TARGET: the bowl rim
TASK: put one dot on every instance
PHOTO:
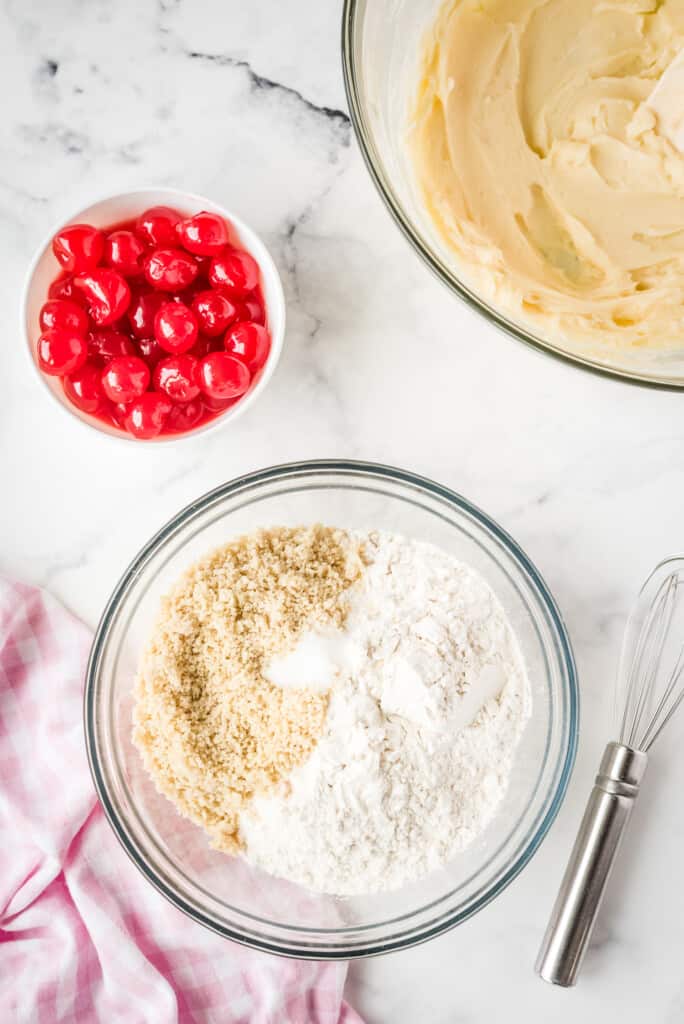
(378, 473)
(373, 163)
(276, 312)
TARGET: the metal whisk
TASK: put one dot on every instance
(650, 688)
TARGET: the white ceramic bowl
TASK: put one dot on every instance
(114, 209)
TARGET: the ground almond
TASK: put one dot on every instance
(212, 730)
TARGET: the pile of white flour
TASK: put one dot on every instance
(429, 699)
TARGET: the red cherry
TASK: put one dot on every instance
(222, 376)
(216, 405)
(175, 327)
(250, 309)
(63, 313)
(107, 293)
(176, 377)
(185, 416)
(64, 288)
(123, 251)
(158, 226)
(109, 344)
(204, 345)
(147, 415)
(188, 294)
(78, 247)
(142, 311)
(125, 378)
(204, 234)
(151, 351)
(61, 351)
(234, 270)
(203, 264)
(248, 342)
(118, 413)
(214, 312)
(170, 269)
(84, 388)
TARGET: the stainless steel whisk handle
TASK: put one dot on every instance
(591, 861)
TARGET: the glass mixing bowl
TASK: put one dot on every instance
(381, 42)
(225, 893)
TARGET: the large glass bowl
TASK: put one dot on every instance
(381, 42)
(226, 894)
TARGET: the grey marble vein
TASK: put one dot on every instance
(259, 82)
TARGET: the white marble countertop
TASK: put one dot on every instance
(244, 102)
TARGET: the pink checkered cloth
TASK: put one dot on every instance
(83, 937)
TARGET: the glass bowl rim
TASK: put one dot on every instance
(379, 473)
(431, 260)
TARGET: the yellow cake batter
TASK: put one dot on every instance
(544, 169)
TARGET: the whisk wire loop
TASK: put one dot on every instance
(650, 687)
(671, 699)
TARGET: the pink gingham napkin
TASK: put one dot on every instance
(83, 937)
